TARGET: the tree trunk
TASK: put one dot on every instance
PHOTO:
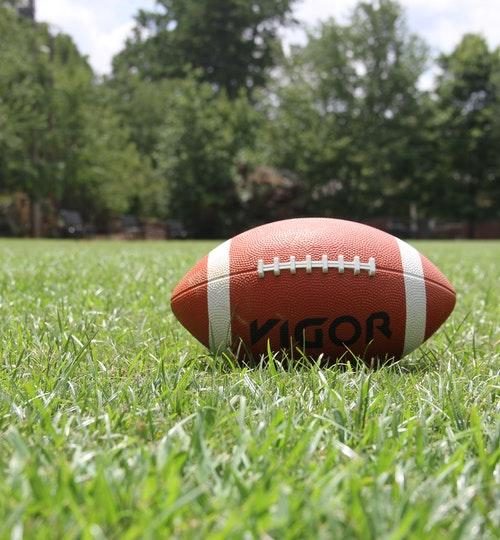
(36, 219)
(473, 211)
(414, 220)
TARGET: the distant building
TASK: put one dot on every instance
(26, 8)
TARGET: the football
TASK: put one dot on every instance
(321, 287)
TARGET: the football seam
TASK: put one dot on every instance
(252, 271)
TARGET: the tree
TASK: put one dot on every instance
(112, 177)
(202, 137)
(389, 121)
(32, 153)
(468, 102)
(142, 106)
(233, 43)
(59, 137)
(350, 116)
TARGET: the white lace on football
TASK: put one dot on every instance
(340, 264)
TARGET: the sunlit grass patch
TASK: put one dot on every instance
(116, 423)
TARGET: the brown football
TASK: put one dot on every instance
(324, 286)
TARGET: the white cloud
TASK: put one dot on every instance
(100, 27)
(440, 22)
(443, 22)
(310, 11)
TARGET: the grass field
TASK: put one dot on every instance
(114, 422)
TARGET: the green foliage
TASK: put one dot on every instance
(58, 136)
(468, 99)
(143, 106)
(115, 423)
(112, 177)
(206, 121)
(29, 97)
(201, 138)
(233, 43)
(350, 119)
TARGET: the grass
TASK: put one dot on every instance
(115, 423)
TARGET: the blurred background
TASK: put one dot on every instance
(201, 118)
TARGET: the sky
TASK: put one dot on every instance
(100, 27)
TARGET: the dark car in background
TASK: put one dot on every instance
(70, 224)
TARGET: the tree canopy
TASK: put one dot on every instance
(232, 43)
(468, 103)
(207, 121)
(58, 136)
